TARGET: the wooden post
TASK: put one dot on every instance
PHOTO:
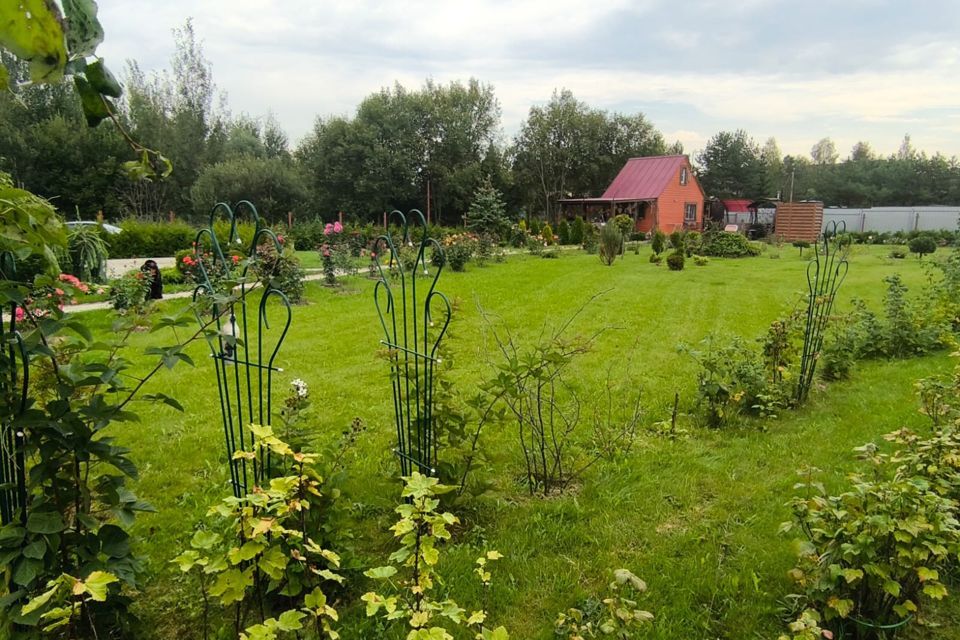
(172, 216)
(340, 216)
(384, 219)
(428, 202)
(289, 219)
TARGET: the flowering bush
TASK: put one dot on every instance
(50, 297)
(188, 265)
(459, 248)
(130, 291)
(335, 253)
(281, 269)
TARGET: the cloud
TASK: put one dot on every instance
(853, 70)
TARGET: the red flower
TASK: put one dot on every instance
(236, 259)
(280, 239)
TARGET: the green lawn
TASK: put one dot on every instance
(696, 517)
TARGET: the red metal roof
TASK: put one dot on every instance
(644, 178)
(737, 205)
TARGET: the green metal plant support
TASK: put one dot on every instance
(243, 346)
(412, 335)
(825, 273)
(16, 379)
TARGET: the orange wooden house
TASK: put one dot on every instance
(658, 192)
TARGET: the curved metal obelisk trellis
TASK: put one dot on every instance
(242, 349)
(15, 380)
(825, 273)
(412, 334)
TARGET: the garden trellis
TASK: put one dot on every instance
(15, 381)
(825, 273)
(243, 344)
(412, 335)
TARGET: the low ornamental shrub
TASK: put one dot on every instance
(801, 244)
(611, 243)
(922, 245)
(577, 230)
(563, 232)
(591, 239)
(659, 242)
(675, 261)
(723, 244)
(548, 238)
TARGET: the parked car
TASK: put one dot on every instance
(109, 228)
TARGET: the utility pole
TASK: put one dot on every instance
(793, 173)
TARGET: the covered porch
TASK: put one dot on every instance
(598, 210)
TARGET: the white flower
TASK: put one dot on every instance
(300, 387)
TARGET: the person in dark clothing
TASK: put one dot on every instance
(152, 271)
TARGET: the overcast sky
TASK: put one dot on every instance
(856, 70)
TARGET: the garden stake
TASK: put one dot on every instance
(825, 272)
(412, 337)
(13, 482)
(244, 372)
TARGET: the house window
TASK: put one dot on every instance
(683, 175)
(690, 212)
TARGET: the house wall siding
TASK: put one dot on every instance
(671, 202)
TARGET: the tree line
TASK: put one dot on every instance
(429, 148)
(733, 165)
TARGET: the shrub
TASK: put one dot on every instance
(129, 291)
(547, 232)
(281, 269)
(659, 242)
(151, 239)
(676, 261)
(459, 249)
(693, 243)
(577, 230)
(611, 241)
(676, 240)
(591, 241)
(563, 232)
(535, 227)
(869, 555)
(898, 254)
(731, 380)
(801, 244)
(273, 563)
(922, 245)
(484, 248)
(656, 258)
(700, 261)
(420, 531)
(723, 244)
(841, 348)
(909, 328)
(172, 275)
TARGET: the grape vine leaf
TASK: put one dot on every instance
(33, 31)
